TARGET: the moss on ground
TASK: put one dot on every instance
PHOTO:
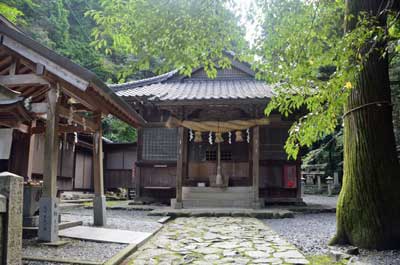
(108, 203)
(324, 260)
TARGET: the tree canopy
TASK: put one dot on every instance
(305, 50)
(180, 34)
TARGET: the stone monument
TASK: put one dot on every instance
(11, 189)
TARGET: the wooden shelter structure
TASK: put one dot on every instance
(45, 93)
(207, 142)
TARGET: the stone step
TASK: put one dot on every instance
(191, 203)
(216, 194)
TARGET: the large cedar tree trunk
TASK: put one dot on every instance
(368, 212)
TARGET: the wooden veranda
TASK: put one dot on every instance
(49, 94)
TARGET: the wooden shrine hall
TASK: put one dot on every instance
(42, 92)
(207, 142)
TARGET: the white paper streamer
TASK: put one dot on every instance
(248, 134)
(190, 135)
(210, 140)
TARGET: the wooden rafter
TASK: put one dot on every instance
(76, 118)
(23, 80)
(5, 61)
(16, 125)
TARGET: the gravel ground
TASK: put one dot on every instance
(76, 249)
(92, 251)
(312, 232)
(321, 200)
(118, 219)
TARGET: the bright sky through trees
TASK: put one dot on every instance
(242, 8)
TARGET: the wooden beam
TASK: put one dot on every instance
(40, 91)
(51, 146)
(56, 69)
(256, 163)
(13, 67)
(48, 204)
(65, 128)
(85, 122)
(31, 152)
(185, 164)
(80, 96)
(62, 128)
(99, 201)
(23, 80)
(16, 125)
(98, 160)
(179, 168)
(39, 108)
(6, 60)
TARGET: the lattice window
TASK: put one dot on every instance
(226, 155)
(211, 155)
(160, 144)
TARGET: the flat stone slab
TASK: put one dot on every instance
(217, 240)
(100, 234)
(266, 213)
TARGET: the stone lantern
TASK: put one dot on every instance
(329, 181)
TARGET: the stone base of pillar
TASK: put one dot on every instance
(48, 219)
(99, 211)
(258, 204)
(176, 205)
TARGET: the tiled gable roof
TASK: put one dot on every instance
(237, 82)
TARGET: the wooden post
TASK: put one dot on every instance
(179, 168)
(300, 184)
(218, 179)
(99, 201)
(319, 184)
(138, 170)
(256, 166)
(48, 205)
(185, 166)
(31, 153)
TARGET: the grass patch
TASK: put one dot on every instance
(324, 260)
(108, 203)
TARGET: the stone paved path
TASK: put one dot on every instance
(212, 240)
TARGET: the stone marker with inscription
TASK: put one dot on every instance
(11, 187)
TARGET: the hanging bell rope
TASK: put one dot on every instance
(238, 136)
(197, 137)
(215, 126)
(218, 138)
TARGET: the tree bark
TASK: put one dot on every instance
(368, 210)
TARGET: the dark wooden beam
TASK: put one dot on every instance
(23, 80)
(99, 202)
(48, 219)
(179, 168)
(16, 125)
(13, 67)
(5, 61)
(76, 118)
(256, 164)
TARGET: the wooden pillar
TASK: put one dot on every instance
(180, 167)
(218, 179)
(256, 166)
(48, 205)
(138, 171)
(300, 190)
(99, 201)
(31, 153)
